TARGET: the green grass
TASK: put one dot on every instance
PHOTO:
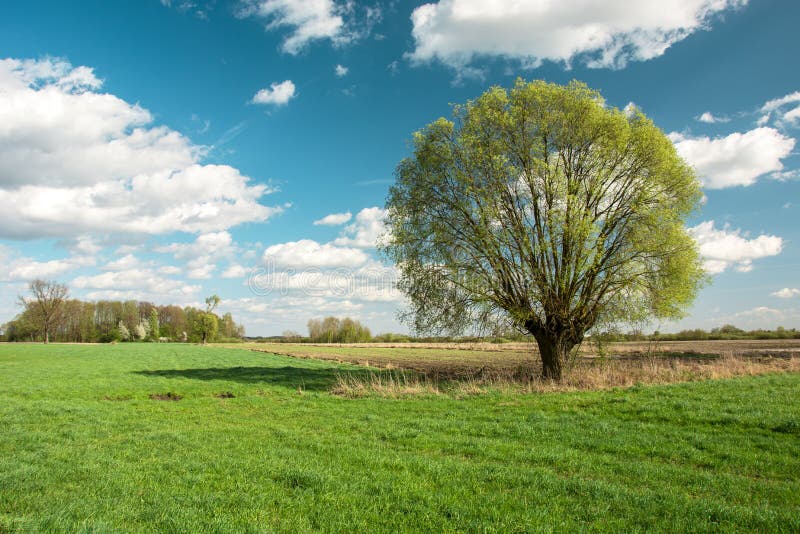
(705, 456)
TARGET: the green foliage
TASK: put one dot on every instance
(212, 302)
(83, 448)
(725, 332)
(205, 327)
(335, 330)
(542, 209)
(155, 329)
(107, 321)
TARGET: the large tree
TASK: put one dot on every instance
(46, 305)
(542, 208)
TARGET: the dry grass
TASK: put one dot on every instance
(585, 374)
(465, 361)
(402, 369)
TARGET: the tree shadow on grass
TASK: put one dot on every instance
(288, 377)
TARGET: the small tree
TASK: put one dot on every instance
(205, 326)
(154, 327)
(544, 209)
(140, 330)
(124, 333)
(46, 305)
(212, 302)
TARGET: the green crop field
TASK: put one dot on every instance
(181, 438)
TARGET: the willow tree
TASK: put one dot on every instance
(545, 210)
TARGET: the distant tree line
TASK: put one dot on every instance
(50, 315)
(725, 332)
(335, 330)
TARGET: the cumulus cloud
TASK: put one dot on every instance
(309, 20)
(787, 108)
(137, 283)
(339, 22)
(307, 253)
(710, 118)
(128, 261)
(85, 245)
(370, 281)
(599, 33)
(277, 94)
(74, 160)
(760, 312)
(368, 228)
(724, 248)
(210, 244)
(786, 293)
(170, 269)
(202, 254)
(334, 219)
(17, 267)
(341, 271)
(737, 159)
(234, 271)
(30, 269)
(341, 70)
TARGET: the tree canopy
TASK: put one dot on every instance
(45, 305)
(543, 209)
(106, 321)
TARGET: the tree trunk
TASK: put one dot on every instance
(46, 336)
(554, 351)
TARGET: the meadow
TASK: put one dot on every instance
(184, 438)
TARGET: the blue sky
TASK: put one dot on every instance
(167, 150)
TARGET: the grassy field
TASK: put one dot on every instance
(256, 442)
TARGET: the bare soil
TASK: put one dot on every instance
(169, 396)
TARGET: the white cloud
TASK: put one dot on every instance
(779, 106)
(368, 282)
(29, 270)
(202, 254)
(310, 254)
(600, 33)
(145, 284)
(278, 94)
(20, 268)
(127, 249)
(170, 269)
(129, 261)
(203, 271)
(214, 244)
(200, 198)
(709, 118)
(55, 133)
(74, 160)
(235, 271)
(341, 70)
(793, 115)
(334, 219)
(786, 293)
(738, 159)
(310, 20)
(724, 248)
(777, 103)
(368, 228)
(85, 245)
(760, 312)
(782, 176)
